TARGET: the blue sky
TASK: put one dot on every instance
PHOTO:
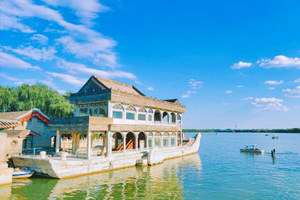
(230, 62)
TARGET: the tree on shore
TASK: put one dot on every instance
(26, 97)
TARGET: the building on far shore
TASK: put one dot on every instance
(32, 131)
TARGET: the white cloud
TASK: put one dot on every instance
(240, 86)
(67, 78)
(19, 81)
(8, 60)
(27, 9)
(10, 78)
(87, 10)
(13, 23)
(34, 53)
(77, 68)
(89, 43)
(98, 49)
(240, 65)
(150, 88)
(188, 94)
(228, 91)
(138, 82)
(280, 61)
(195, 84)
(248, 98)
(274, 82)
(271, 88)
(297, 80)
(293, 93)
(41, 39)
(62, 92)
(269, 104)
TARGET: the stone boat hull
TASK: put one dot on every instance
(55, 167)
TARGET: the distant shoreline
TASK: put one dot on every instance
(292, 130)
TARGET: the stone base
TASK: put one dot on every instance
(56, 168)
(5, 174)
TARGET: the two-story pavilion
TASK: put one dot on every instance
(113, 117)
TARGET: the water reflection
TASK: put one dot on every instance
(164, 181)
(5, 192)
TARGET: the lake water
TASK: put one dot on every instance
(219, 171)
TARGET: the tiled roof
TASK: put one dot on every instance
(7, 123)
(14, 115)
(19, 115)
(115, 85)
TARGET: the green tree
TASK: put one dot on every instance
(26, 97)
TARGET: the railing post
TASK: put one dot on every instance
(108, 144)
(181, 137)
(57, 142)
(88, 152)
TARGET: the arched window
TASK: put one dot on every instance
(150, 111)
(157, 116)
(117, 142)
(178, 116)
(130, 108)
(142, 114)
(142, 140)
(118, 107)
(130, 141)
(142, 110)
(118, 111)
(173, 118)
(165, 117)
(130, 113)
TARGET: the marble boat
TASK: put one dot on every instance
(71, 166)
(114, 126)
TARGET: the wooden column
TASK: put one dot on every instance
(89, 150)
(57, 141)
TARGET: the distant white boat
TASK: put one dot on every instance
(22, 173)
(251, 149)
(275, 136)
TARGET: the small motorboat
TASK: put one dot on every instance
(267, 135)
(252, 148)
(275, 136)
(22, 173)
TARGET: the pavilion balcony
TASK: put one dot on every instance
(81, 123)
